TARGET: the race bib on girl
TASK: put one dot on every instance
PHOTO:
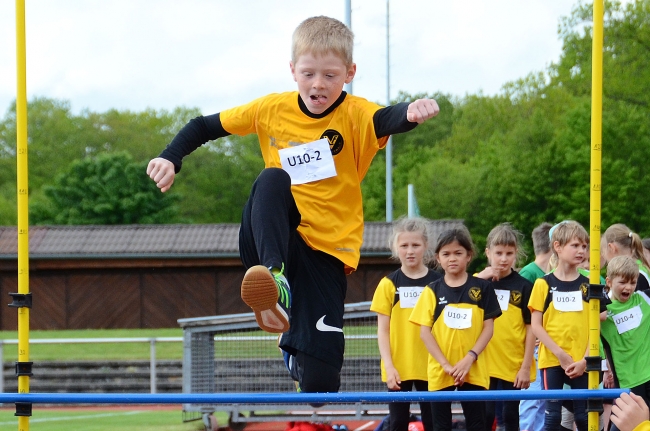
(308, 162)
(567, 301)
(457, 318)
(628, 320)
(504, 298)
(408, 296)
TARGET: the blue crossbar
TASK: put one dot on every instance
(312, 398)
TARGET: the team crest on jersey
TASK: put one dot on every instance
(475, 294)
(584, 287)
(335, 139)
(515, 297)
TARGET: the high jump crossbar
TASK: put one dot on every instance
(297, 398)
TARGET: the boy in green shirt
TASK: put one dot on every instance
(626, 329)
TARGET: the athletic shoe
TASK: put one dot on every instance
(269, 297)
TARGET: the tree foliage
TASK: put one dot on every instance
(521, 156)
(105, 190)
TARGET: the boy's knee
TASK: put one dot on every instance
(274, 176)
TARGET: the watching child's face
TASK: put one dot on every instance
(573, 252)
(320, 79)
(501, 258)
(608, 251)
(621, 288)
(410, 249)
(453, 258)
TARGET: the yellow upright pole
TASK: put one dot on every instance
(595, 197)
(23, 219)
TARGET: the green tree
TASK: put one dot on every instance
(626, 49)
(57, 137)
(106, 190)
(215, 180)
(409, 149)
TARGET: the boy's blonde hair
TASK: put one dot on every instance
(505, 234)
(320, 35)
(623, 266)
(413, 224)
(565, 231)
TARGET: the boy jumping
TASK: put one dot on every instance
(302, 226)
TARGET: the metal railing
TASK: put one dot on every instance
(152, 350)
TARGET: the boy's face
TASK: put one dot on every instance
(320, 79)
(621, 288)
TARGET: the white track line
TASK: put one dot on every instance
(364, 426)
(67, 418)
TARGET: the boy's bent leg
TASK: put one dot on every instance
(318, 287)
(269, 221)
(268, 229)
(316, 375)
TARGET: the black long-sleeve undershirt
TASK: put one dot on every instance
(387, 121)
(197, 132)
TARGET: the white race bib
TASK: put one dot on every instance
(457, 318)
(567, 301)
(628, 320)
(504, 298)
(408, 296)
(308, 162)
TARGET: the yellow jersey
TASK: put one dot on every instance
(331, 208)
(565, 316)
(456, 316)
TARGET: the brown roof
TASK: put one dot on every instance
(176, 240)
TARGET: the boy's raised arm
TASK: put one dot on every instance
(402, 117)
(162, 172)
(421, 110)
(197, 132)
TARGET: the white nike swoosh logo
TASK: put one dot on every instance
(321, 326)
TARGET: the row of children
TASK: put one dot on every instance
(456, 331)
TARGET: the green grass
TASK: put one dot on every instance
(164, 350)
(95, 351)
(139, 418)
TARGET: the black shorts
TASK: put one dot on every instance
(318, 286)
(268, 236)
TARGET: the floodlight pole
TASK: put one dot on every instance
(348, 22)
(389, 145)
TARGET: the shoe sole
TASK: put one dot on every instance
(259, 292)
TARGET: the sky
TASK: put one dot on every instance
(216, 54)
